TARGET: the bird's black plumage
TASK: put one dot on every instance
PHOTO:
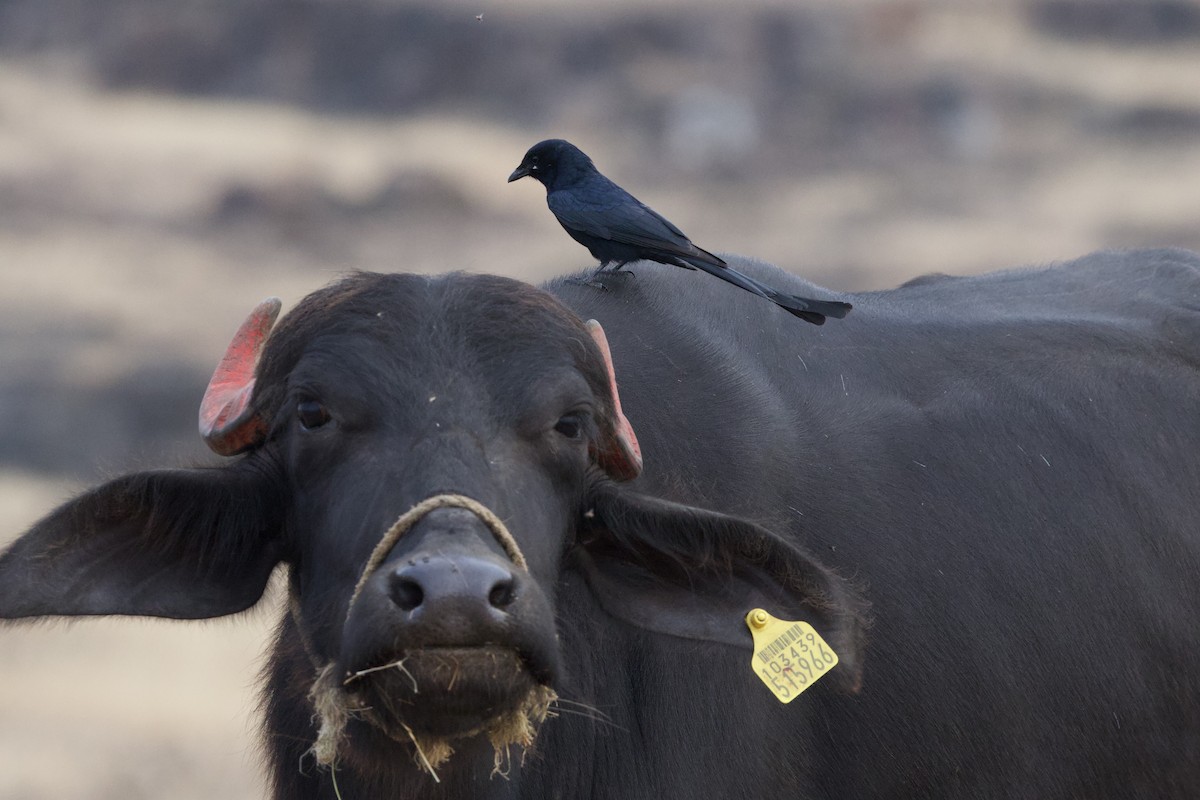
(617, 228)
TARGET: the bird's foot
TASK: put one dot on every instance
(595, 284)
(613, 268)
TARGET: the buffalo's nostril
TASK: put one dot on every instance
(440, 585)
(406, 593)
(501, 594)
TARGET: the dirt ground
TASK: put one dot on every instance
(138, 226)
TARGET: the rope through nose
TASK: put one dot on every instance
(414, 515)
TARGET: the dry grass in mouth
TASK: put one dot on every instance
(334, 706)
(398, 665)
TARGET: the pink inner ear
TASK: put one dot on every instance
(621, 459)
(227, 421)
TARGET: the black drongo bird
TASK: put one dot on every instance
(617, 228)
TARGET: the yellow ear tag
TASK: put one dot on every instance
(789, 657)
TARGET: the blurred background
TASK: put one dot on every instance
(164, 166)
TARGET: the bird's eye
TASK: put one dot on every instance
(311, 414)
(570, 426)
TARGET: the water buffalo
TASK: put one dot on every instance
(982, 493)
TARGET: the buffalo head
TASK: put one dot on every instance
(375, 406)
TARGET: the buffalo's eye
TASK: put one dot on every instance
(311, 414)
(570, 426)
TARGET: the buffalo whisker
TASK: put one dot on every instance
(587, 712)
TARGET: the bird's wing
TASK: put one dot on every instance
(612, 213)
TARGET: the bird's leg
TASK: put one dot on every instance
(592, 281)
(607, 269)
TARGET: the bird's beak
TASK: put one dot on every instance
(518, 173)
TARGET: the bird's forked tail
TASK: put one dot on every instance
(814, 311)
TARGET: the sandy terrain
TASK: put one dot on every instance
(138, 227)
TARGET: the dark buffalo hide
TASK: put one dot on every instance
(984, 493)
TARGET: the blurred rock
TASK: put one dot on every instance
(1150, 122)
(302, 208)
(290, 206)
(59, 424)
(417, 191)
(1118, 21)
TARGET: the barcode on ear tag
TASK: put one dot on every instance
(788, 656)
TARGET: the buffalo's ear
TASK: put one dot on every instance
(173, 543)
(692, 573)
(618, 453)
